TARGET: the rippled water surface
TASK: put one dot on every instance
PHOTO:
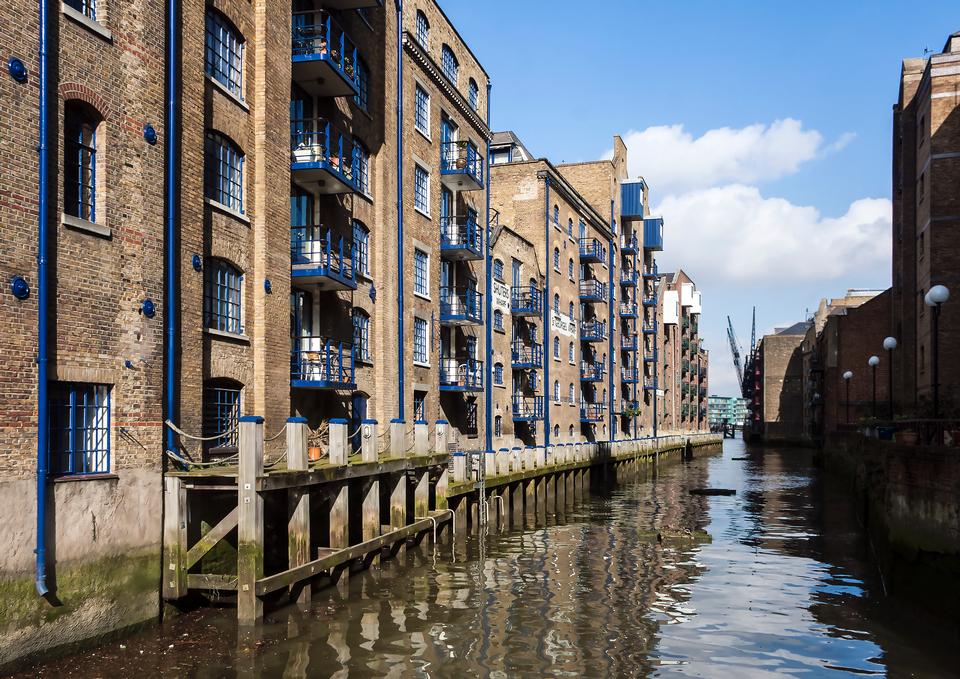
(774, 580)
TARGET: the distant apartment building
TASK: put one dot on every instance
(683, 369)
(926, 223)
(727, 410)
(777, 408)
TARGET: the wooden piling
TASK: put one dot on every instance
(174, 538)
(249, 520)
(298, 506)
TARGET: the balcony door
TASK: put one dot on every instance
(301, 313)
(301, 120)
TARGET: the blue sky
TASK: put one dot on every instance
(763, 129)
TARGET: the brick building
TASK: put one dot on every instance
(778, 398)
(926, 205)
(683, 368)
(101, 299)
(320, 252)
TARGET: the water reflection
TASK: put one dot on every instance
(645, 581)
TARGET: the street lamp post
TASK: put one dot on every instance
(934, 299)
(847, 376)
(890, 343)
(873, 362)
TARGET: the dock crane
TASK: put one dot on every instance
(735, 350)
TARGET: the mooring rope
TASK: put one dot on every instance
(200, 438)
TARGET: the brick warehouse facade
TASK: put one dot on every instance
(288, 278)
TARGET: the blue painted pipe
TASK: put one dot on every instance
(488, 341)
(546, 310)
(43, 432)
(171, 180)
(610, 322)
(400, 272)
(656, 351)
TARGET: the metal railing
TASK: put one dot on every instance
(461, 157)
(317, 35)
(592, 370)
(591, 288)
(463, 373)
(461, 232)
(592, 248)
(527, 407)
(461, 303)
(316, 140)
(318, 246)
(321, 359)
(526, 355)
(593, 330)
(526, 299)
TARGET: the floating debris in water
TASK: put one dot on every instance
(712, 491)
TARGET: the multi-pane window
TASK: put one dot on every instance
(421, 189)
(221, 413)
(498, 320)
(420, 340)
(449, 64)
(556, 215)
(361, 167)
(419, 406)
(421, 110)
(570, 352)
(361, 334)
(423, 29)
(570, 309)
(556, 303)
(498, 374)
(421, 280)
(79, 428)
(223, 171)
(223, 59)
(362, 97)
(498, 426)
(556, 391)
(556, 259)
(570, 268)
(80, 161)
(556, 348)
(498, 269)
(361, 247)
(87, 8)
(473, 94)
(570, 228)
(571, 394)
(221, 296)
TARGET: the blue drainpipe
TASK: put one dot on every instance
(547, 347)
(400, 272)
(656, 350)
(171, 185)
(611, 317)
(42, 412)
(488, 341)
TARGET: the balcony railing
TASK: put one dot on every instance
(629, 342)
(526, 300)
(461, 306)
(461, 165)
(649, 300)
(629, 277)
(629, 374)
(321, 156)
(591, 371)
(593, 331)
(319, 256)
(591, 412)
(322, 363)
(461, 237)
(629, 244)
(648, 329)
(461, 374)
(593, 290)
(592, 250)
(649, 275)
(324, 56)
(524, 356)
(527, 408)
(628, 309)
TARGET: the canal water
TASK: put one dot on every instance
(643, 580)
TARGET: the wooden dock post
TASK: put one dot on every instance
(250, 520)
(338, 442)
(298, 506)
(339, 502)
(174, 538)
(421, 438)
(370, 510)
(398, 438)
(516, 504)
(369, 441)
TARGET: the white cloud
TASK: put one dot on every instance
(672, 160)
(734, 234)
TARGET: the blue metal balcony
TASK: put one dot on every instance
(629, 277)
(592, 290)
(524, 356)
(591, 412)
(461, 306)
(649, 275)
(629, 374)
(461, 374)
(461, 166)
(321, 363)
(650, 301)
(461, 238)
(324, 57)
(320, 257)
(629, 405)
(321, 157)
(527, 408)
(629, 244)
(628, 309)
(593, 331)
(650, 358)
(648, 329)
(653, 233)
(526, 300)
(592, 250)
(592, 371)
(629, 342)
(649, 384)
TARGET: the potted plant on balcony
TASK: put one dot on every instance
(315, 445)
(461, 154)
